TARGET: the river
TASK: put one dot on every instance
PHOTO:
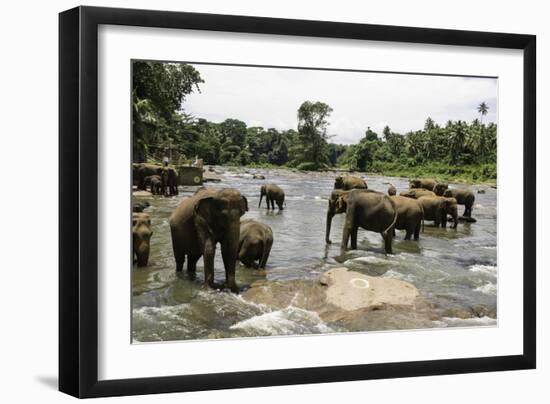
(454, 269)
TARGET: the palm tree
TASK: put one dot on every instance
(483, 108)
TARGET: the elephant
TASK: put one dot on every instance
(142, 170)
(141, 237)
(331, 211)
(416, 193)
(348, 182)
(201, 221)
(169, 181)
(391, 190)
(273, 194)
(426, 183)
(430, 184)
(372, 211)
(436, 208)
(155, 183)
(463, 197)
(440, 188)
(255, 243)
(410, 216)
(140, 206)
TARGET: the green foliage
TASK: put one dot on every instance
(158, 90)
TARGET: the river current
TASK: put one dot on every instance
(453, 269)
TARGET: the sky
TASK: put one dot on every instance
(270, 97)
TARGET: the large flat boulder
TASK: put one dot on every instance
(350, 290)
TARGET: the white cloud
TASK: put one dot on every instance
(270, 97)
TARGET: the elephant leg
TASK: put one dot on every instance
(265, 253)
(408, 233)
(208, 258)
(273, 203)
(192, 263)
(354, 237)
(179, 263)
(345, 236)
(417, 231)
(229, 256)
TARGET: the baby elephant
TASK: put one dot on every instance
(155, 182)
(273, 194)
(463, 197)
(141, 234)
(436, 208)
(255, 243)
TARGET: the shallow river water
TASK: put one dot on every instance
(453, 269)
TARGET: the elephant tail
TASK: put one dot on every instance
(392, 225)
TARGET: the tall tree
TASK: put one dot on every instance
(483, 108)
(311, 148)
(158, 91)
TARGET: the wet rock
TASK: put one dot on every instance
(306, 294)
(457, 312)
(350, 290)
(258, 177)
(141, 193)
(349, 299)
(211, 177)
(462, 219)
(480, 191)
(140, 206)
(480, 310)
(477, 310)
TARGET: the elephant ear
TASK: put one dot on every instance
(244, 204)
(203, 209)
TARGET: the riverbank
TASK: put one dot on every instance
(484, 175)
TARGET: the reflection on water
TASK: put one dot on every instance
(452, 268)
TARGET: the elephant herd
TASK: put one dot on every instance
(213, 216)
(160, 180)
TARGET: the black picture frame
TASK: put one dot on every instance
(78, 203)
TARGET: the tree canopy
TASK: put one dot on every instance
(161, 124)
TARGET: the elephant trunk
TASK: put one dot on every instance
(230, 253)
(142, 254)
(330, 215)
(454, 214)
(261, 196)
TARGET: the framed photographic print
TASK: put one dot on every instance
(251, 201)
